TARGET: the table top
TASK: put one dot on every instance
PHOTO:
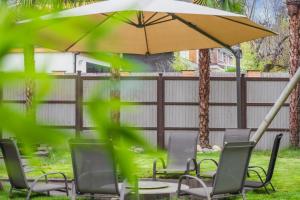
(158, 187)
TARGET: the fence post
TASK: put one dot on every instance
(243, 101)
(79, 104)
(160, 111)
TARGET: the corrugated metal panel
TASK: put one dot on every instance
(139, 90)
(223, 91)
(216, 138)
(275, 75)
(222, 117)
(188, 116)
(60, 90)
(181, 116)
(14, 91)
(266, 142)
(56, 114)
(187, 91)
(101, 87)
(181, 91)
(150, 136)
(264, 91)
(139, 116)
(255, 114)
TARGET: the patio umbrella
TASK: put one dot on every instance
(154, 26)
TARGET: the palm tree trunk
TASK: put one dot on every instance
(204, 88)
(294, 14)
(115, 94)
(30, 82)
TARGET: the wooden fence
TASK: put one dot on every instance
(161, 104)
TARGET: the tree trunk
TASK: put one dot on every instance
(115, 94)
(30, 82)
(294, 28)
(204, 87)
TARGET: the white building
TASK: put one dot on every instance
(51, 61)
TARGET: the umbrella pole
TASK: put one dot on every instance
(237, 53)
(275, 109)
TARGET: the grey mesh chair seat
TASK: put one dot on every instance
(17, 174)
(181, 158)
(230, 176)
(42, 187)
(230, 135)
(208, 174)
(254, 184)
(265, 179)
(200, 192)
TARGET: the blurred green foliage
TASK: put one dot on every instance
(249, 60)
(15, 34)
(179, 63)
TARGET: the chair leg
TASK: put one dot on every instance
(10, 194)
(92, 196)
(73, 192)
(244, 195)
(67, 188)
(28, 194)
(154, 175)
(266, 189)
(272, 187)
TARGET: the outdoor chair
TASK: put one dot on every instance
(230, 135)
(94, 169)
(182, 152)
(263, 183)
(230, 177)
(17, 173)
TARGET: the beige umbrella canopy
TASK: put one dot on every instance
(153, 26)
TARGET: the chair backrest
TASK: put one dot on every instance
(232, 169)
(93, 167)
(13, 164)
(273, 158)
(180, 148)
(236, 135)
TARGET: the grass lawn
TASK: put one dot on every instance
(286, 177)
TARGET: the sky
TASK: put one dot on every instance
(261, 6)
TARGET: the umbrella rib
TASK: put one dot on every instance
(196, 28)
(150, 17)
(146, 36)
(167, 20)
(85, 34)
(122, 19)
(157, 20)
(262, 29)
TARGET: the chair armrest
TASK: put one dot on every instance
(262, 169)
(161, 160)
(203, 160)
(46, 177)
(258, 175)
(192, 177)
(188, 164)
